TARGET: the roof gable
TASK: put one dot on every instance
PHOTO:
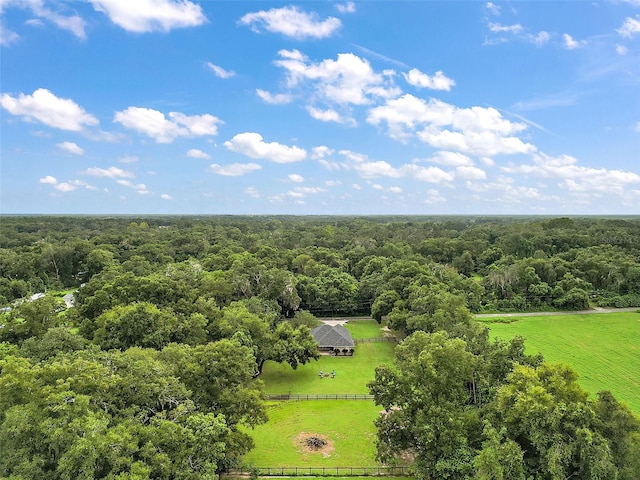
(332, 336)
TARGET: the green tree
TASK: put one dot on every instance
(426, 402)
(139, 324)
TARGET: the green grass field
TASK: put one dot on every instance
(365, 328)
(346, 423)
(603, 348)
(352, 373)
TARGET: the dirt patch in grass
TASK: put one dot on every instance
(314, 443)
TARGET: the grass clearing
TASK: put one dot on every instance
(603, 348)
(352, 373)
(365, 328)
(348, 424)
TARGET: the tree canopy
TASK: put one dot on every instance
(154, 369)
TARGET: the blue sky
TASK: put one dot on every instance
(371, 107)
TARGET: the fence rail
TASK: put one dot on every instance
(375, 339)
(319, 396)
(323, 471)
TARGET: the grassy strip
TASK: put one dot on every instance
(604, 349)
(348, 424)
(365, 328)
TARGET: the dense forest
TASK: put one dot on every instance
(154, 372)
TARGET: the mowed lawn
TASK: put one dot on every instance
(352, 373)
(603, 348)
(348, 424)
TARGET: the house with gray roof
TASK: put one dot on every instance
(334, 339)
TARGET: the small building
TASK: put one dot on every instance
(334, 339)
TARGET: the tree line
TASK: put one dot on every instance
(155, 370)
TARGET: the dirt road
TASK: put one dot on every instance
(541, 314)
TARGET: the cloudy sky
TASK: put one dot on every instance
(320, 107)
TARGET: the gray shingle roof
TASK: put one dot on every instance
(329, 336)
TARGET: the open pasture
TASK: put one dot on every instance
(603, 348)
(346, 424)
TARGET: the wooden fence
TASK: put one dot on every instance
(322, 471)
(319, 396)
(375, 339)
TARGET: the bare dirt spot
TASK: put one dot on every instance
(309, 442)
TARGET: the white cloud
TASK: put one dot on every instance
(143, 16)
(318, 153)
(70, 147)
(540, 38)
(349, 7)
(128, 159)
(497, 28)
(621, 50)
(291, 22)
(45, 107)
(480, 131)
(394, 189)
(451, 159)
(637, 127)
(252, 145)
(165, 130)
(328, 115)
(34, 22)
(504, 191)
(294, 177)
(234, 169)
(477, 143)
(492, 8)
(72, 22)
(377, 186)
(489, 162)
(111, 172)
(49, 180)
(407, 112)
(574, 177)
(7, 37)
(348, 80)
(630, 27)
(428, 174)
(380, 168)
(332, 183)
(166, 196)
(570, 43)
(195, 153)
(301, 192)
(355, 186)
(220, 72)
(252, 192)
(470, 173)
(434, 196)
(421, 80)
(274, 99)
(140, 188)
(65, 187)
